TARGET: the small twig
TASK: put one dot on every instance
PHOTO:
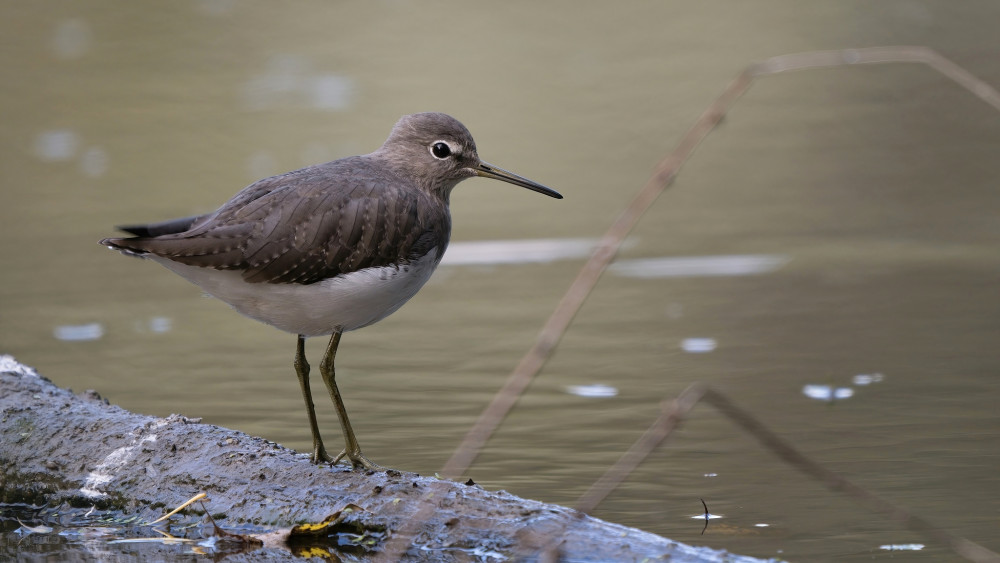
(660, 430)
(186, 503)
(706, 516)
(792, 456)
(670, 417)
(879, 55)
(662, 177)
(585, 281)
(672, 412)
(666, 170)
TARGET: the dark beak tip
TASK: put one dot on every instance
(545, 190)
(485, 170)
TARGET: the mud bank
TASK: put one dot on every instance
(57, 448)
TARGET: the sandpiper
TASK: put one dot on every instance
(329, 248)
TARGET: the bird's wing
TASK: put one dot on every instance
(307, 226)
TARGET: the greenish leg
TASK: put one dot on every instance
(352, 450)
(319, 454)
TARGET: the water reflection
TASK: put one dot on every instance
(827, 392)
(593, 391)
(902, 547)
(56, 145)
(674, 267)
(71, 39)
(25, 530)
(290, 80)
(63, 145)
(78, 333)
(156, 325)
(708, 516)
(823, 392)
(698, 345)
(492, 252)
(866, 378)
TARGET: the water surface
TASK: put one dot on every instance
(871, 192)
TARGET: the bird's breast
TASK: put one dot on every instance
(346, 302)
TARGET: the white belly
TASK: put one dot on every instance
(344, 303)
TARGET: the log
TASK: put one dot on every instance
(62, 449)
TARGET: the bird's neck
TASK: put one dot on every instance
(401, 165)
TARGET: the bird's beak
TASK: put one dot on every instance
(485, 170)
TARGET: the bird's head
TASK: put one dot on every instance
(438, 152)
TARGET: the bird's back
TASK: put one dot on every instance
(305, 226)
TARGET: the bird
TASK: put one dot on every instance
(328, 248)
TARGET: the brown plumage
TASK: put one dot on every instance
(306, 226)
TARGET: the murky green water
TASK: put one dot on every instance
(874, 187)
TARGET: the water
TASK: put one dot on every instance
(860, 205)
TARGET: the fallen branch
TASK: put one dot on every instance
(57, 448)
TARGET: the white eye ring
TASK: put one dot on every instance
(441, 150)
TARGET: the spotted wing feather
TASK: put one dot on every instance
(306, 226)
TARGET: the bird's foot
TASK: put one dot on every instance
(319, 455)
(358, 460)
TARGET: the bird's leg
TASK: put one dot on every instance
(352, 450)
(302, 370)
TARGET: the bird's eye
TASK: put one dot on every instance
(440, 150)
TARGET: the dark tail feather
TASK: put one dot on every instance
(170, 227)
(134, 246)
(120, 244)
